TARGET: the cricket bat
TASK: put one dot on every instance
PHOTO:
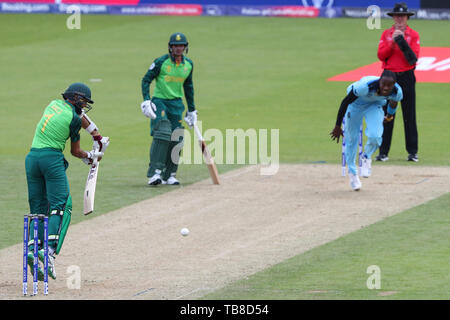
(89, 190)
(209, 160)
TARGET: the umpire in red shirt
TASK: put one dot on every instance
(398, 50)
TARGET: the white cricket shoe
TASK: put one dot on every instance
(171, 181)
(355, 183)
(366, 168)
(155, 180)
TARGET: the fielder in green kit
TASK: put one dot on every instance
(173, 74)
(48, 187)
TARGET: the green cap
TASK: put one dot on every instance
(80, 89)
(178, 38)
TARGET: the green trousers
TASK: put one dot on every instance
(169, 115)
(48, 188)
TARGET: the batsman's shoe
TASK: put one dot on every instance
(171, 181)
(30, 260)
(51, 265)
(413, 157)
(382, 157)
(155, 180)
(355, 183)
(366, 168)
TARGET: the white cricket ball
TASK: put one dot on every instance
(184, 232)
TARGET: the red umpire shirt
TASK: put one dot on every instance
(390, 54)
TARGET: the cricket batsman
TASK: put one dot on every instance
(365, 99)
(172, 73)
(45, 165)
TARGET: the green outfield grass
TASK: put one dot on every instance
(261, 73)
(410, 249)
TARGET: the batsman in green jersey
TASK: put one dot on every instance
(45, 165)
(173, 75)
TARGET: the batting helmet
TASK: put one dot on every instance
(178, 38)
(79, 94)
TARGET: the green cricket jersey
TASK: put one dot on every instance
(171, 80)
(58, 123)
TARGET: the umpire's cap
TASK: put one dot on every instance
(400, 9)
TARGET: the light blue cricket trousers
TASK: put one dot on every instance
(374, 116)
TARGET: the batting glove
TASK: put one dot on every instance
(148, 109)
(91, 155)
(100, 143)
(191, 118)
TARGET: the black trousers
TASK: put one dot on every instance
(407, 81)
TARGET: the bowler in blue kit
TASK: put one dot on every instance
(366, 99)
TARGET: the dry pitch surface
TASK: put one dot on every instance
(246, 224)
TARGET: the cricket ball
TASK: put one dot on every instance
(184, 232)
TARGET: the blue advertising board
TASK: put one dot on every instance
(256, 8)
(312, 3)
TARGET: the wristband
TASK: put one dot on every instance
(391, 110)
(91, 127)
